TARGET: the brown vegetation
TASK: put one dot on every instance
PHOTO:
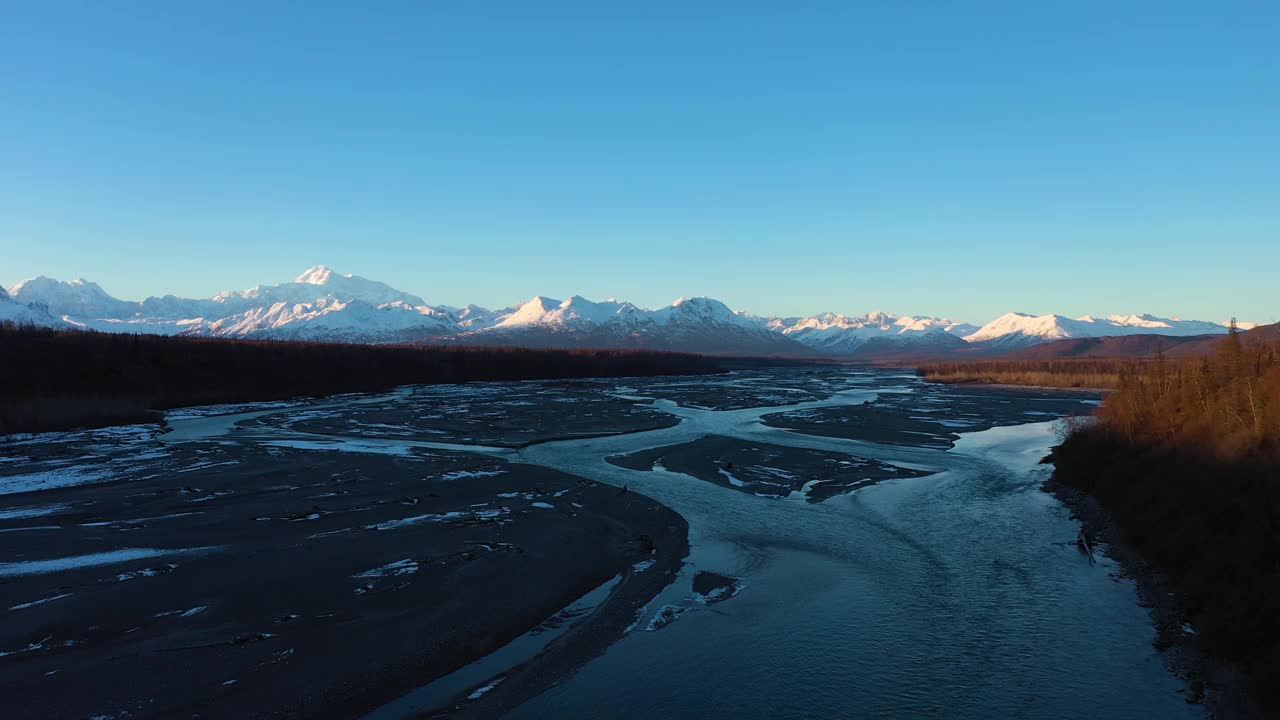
(1227, 403)
(1085, 373)
(1186, 456)
(1136, 346)
(53, 380)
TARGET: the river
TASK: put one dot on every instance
(956, 594)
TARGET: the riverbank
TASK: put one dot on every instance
(641, 581)
(1217, 687)
(1191, 556)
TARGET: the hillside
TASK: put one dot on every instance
(1136, 346)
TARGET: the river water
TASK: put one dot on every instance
(956, 595)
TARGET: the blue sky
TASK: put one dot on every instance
(961, 159)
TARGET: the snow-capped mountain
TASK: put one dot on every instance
(322, 305)
(78, 297)
(20, 313)
(317, 283)
(474, 317)
(840, 334)
(1020, 329)
(88, 304)
(330, 319)
(576, 312)
(690, 324)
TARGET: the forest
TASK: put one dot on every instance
(64, 379)
(1185, 455)
(1096, 373)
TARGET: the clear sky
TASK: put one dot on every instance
(950, 158)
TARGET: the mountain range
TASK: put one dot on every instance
(322, 305)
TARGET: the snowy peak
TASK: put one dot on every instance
(701, 310)
(909, 325)
(1143, 320)
(318, 275)
(14, 311)
(1024, 329)
(1016, 325)
(841, 334)
(701, 305)
(316, 283)
(322, 304)
(688, 324)
(880, 318)
(580, 309)
(575, 313)
(1166, 326)
(538, 310)
(872, 323)
(78, 297)
(331, 319)
(474, 317)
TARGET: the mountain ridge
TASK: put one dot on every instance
(321, 304)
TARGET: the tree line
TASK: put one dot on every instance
(1186, 457)
(1066, 373)
(62, 379)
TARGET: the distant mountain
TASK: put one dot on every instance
(323, 305)
(332, 320)
(317, 283)
(841, 335)
(78, 298)
(1013, 330)
(474, 317)
(20, 313)
(689, 324)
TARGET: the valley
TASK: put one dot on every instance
(461, 548)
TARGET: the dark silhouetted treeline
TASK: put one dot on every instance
(52, 380)
(1083, 373)
(1186, 456)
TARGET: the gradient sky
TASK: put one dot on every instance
(958, 159)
